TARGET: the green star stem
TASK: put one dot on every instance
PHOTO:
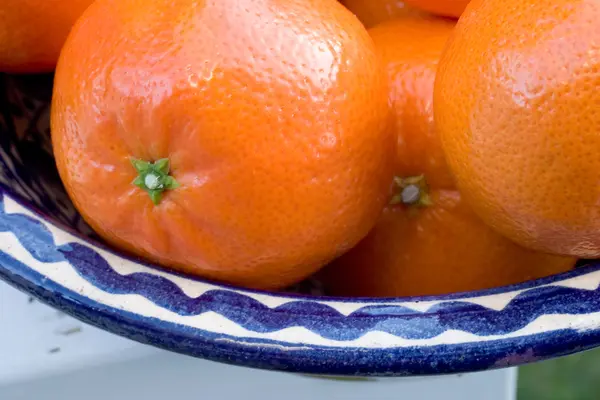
(154, 178)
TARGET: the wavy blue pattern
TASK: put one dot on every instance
(316, 317)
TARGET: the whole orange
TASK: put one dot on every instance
(445, 8)
(259, 132)
(373, 12)
(517, 106)
(32, 32)
(429, 241)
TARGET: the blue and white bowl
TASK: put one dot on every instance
(47, 250)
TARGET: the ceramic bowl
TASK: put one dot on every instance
(47, 250)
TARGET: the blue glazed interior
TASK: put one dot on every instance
(26, 162)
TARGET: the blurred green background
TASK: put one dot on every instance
(575, 377)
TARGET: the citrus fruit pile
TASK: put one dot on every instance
(387, 148)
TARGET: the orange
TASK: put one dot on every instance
(517, 105)
(429, 241)
(445, 8)
(259, 132)
(32, 32)
(373, 12)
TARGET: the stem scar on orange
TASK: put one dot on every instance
(259, 133)
(427, 241)
(517, 105)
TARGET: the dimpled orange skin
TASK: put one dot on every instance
(373, 12)
(445, 247)
(273, 113)
(518, 109)
(32, 32)
(410, 47)
(444, 8)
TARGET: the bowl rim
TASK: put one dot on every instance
(267, 353)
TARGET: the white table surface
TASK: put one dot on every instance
(47, 355)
